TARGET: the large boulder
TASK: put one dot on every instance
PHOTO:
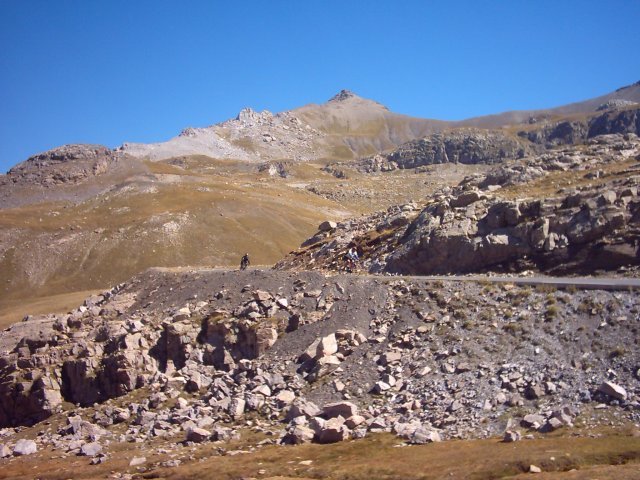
(25, 447)
(5, 451)
(334, 430)
(301, 407)
(424, 435)
(339, 409)
(613, 390)
(90, 449)
(197, 435)
(299, 434)
(327, 226)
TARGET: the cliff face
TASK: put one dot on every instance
(473, 147)
(626, 121)
(579, 131)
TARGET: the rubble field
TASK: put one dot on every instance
(177, 359)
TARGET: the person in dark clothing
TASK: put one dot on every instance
(244, 262)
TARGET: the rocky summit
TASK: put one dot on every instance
(414, 300)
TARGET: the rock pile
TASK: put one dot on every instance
(302, 358)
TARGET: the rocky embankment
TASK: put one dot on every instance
(472, 228)
(304, 357)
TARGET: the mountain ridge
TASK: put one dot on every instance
(370, 120)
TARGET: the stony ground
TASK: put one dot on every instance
(174, 362)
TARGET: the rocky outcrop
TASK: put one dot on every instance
(491, 147)
(471, 229)
(616, 104)
(575, 132)
(453, 147)
(342, 95)
(69, 164)
(579, 232)
(274, 168)
(625, 121)
(563, 133)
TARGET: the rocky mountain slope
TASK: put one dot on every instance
(346, 126)
(475, 146)
(622, 97)
(67, 164)
(570, 210)
(68, 173)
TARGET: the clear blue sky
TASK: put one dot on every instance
(81, 71)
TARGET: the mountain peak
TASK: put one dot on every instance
(343, 95)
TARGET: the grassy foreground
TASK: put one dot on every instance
(612, 454)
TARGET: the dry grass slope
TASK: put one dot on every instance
(611, 455)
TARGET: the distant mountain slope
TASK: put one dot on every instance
(250, 136)
(630, 93)
(345, 127)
